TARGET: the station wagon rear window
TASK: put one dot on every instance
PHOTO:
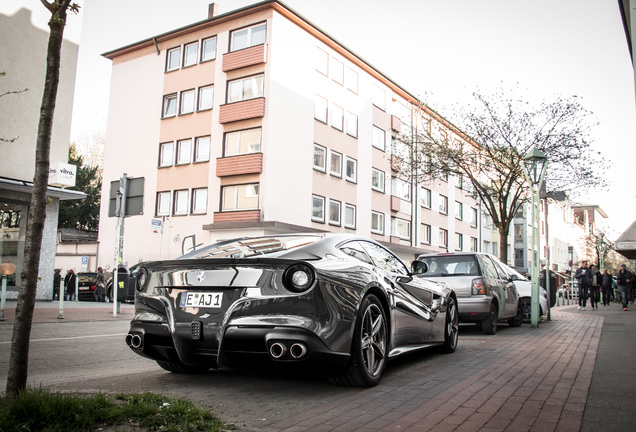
(452, 265)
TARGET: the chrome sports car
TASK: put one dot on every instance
(340, 303)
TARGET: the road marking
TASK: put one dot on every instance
(71, 337)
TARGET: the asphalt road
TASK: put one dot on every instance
(91, 356)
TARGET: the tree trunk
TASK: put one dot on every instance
(503, 244)
(19, 357)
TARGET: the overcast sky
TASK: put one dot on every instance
(439, 51)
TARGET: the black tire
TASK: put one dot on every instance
(489, 324)
(178, 367)
(451, 328)
(518, 319)
(368, 347)
(526, 306)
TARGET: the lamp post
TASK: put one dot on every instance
(535, 163)
(6, 269)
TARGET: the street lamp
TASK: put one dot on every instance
(6, 269)
(535, 164)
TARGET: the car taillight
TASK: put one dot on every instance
(93, 287)
(298, 278)
(478, 286)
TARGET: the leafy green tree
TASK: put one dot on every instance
(19, 355)
(82, 214)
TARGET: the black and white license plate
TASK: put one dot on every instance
(201, 299)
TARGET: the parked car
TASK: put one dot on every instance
(569, 290)
(485, 295)
(524, 289)
(336, 302)
(86, 285)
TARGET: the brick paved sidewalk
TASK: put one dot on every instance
(72, 311)
(519, 380)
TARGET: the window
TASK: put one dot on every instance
(443, 237)
(320, 158)
(163, 204)
(180, 202)
(337, 114)
(334, 212)
(377, 222)
(247, 37)
(202, 149)
(459, 241)
(350, 216)
(170, 105)
(384, 259)
(242, 142)
(166, 154)
(378, 138)
(187, 102)
(377, 180)
(322, 61)
(173, 59)
(401, 189)
(351, 80)
(245, 88)
(200, 201)
(425, 197)
(473, 244)
(379, 98)
(351, 124)
(518, 233)
(337, 71)
(459, 181)
(351, 169)
(459, 210)
(191, 54)
(443, 204)
(206, 98)
(473, 217)
(318, 209)
(335, 166)
(240, 197)
(401, 228)
(208, 49)
(184, 151)
(425, 234)
(320, 109)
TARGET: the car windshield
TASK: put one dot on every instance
(86, 277)
(513, 272)
(451, 265)
(249, 247)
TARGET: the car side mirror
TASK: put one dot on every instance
(419, 267)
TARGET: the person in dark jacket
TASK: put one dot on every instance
(606, 287)
(594, 278)
(69, 285)
(99, 285)
(624, 280)
(57, 280)
(583, 280)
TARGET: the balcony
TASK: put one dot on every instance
(243, 110)
(242, 164)
(246, 57)
(237, 216)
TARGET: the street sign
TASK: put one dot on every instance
(155, 225)
(84, 263)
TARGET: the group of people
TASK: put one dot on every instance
(70, 285)
(592, 283)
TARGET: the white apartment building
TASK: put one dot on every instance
(257, 122)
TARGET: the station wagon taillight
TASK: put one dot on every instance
(478, 286)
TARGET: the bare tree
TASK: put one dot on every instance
(487, 151)
(19, 356)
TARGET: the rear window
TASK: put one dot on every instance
(250, 247)
(451, 265)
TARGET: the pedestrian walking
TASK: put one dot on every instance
(99, 285)
(594, 277)
(606, 287)
(624, 280)
(582, 279)
(57, 280)
(69, 285)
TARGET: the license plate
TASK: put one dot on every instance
(202, 299)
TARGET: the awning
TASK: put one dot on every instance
(53, 192)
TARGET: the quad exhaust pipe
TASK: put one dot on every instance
(278, 350)
(134, 340)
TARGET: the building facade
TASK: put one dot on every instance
(257, 122)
